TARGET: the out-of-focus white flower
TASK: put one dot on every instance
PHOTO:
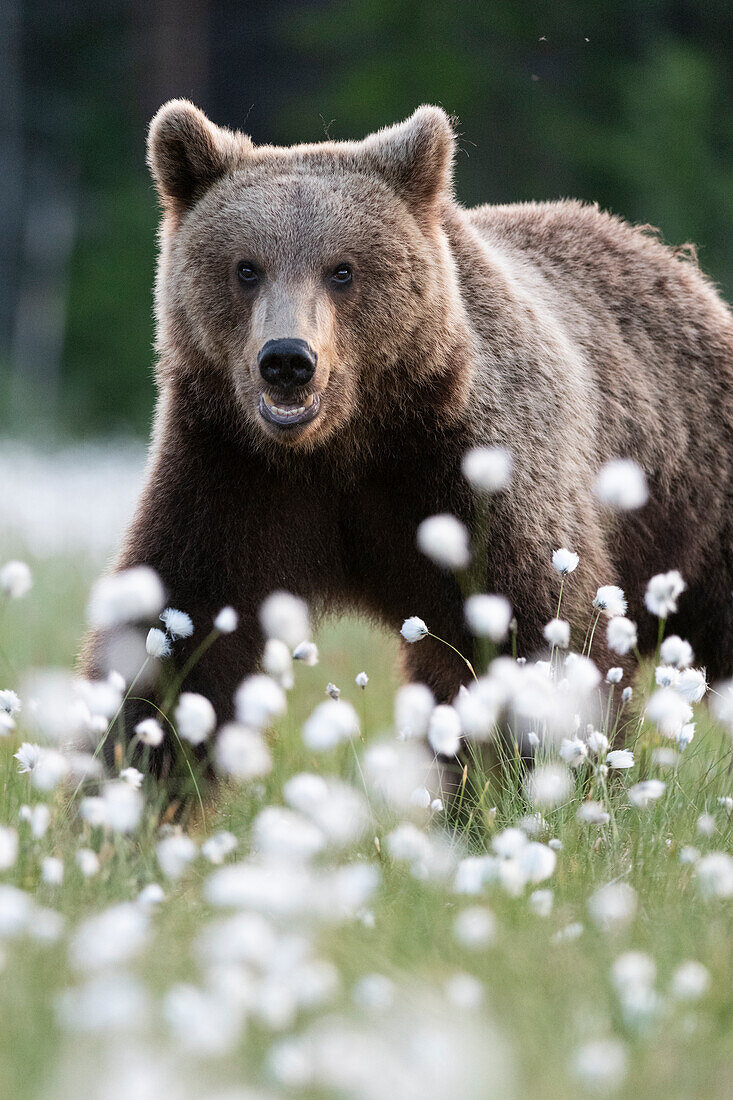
(706, 824)
(393, 769)
(15, 579)
(540, 902)
(548, 785)
(278, 663)
(285, 834)
(614, 675)
(52, 871)
(613, 906)
(361, 680)
(330, 723)
(444, 540)
(201, 1021)
(195, 717)
(87, 861)
(420, 797)
(475, 927)
(149, 732)
(109, 938)
(242, 753)
(689, 854)
(675, 651)
(601, 1065)
(338, 810)
(285, 616)
(573, 751)
(557, 633)
(258, 700)
(536, 862)
(714, 875)
(666, 675)
(332, 691)
(643, 794)
(8, 847)
(7, 724)
(690, 981)
(568, 934)
(123, 806)
(621, 484)
(582, 674)
(414, 629)
(631, 971)
(226, 621)
(668, 711)
(665, 758)
(132, 777)
(107, 1004)
(28, 756)
(692, 684)
(218, 847)
(685, 735)
(38, 817)
(621, 635)
(50, 769)
(178, 624)
(444, 730)
(174, 853)
(374, 992)
(620, 759)
(662, 593)
(722, 704)
(151, 896)
(610, 600)
(726, 802)
(593, 813)
(10, 703)
(555, 843)
(597, 743)
(130, 596)
(436, 806)
(565, 561)
(307, 652)
(488, 616)
(157, 644)
(413, 706)
(487, 469)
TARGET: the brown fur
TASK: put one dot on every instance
(553, 329)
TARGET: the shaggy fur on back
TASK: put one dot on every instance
(552, 329)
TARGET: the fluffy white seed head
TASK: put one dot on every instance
(675, 651)
(610, 600)
(669, 711)
(487, 469)
(413, 706)
(157, 643)
(414, 629)
(488, 616)
(226, 621)
(444, 540)
(195, 717)
(307, 653)
(548, 785)
(242, 753)
(149, 732)
(565, 561)
(621, 635)
(133, 595)
(444, 730)
(662, 593)
(361, 680)
(620, 759)
(330, 723)
(285, 616)
(557, 633)
(621, 484)
(16, 579)
(178, 624)
(613, 906)
(258, 700)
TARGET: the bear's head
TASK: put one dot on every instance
(317, 279)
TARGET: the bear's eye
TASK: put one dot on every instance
(247, 274)
(342, 276)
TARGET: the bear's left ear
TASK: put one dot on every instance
(416, 156)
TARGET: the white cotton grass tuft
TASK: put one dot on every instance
(663, 592)
(548, 785)
(195, 717)
(610, 600)
(361, 680)
(620, 759)
(306, 653)
(675, 651)
(444, 730)
(258, 700)
(178, 624)
(16, 579)
(413, 706)
(488, 616)
(414, 629)
(714, 875)
(669, 711)
(557, 633)
(242, 753)
(285, 616)
(601, 1065)
(157, 643)
(621, 635)
(149, 732)
(331, 723)
(226, 621)
(28, 756)
(613, 906)
(10, 703)
(445, 540)
(621, 484)
(133, 595)
(487, 469)
(278, 663)
(565, 561)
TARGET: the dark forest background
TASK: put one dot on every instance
(627, 103)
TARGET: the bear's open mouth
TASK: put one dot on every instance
(286, 416)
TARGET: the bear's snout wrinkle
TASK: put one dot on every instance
(287, 364)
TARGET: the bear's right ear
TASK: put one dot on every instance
(187, 153)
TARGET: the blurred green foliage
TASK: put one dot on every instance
(626, 103)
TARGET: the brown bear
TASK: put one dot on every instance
(334, 331)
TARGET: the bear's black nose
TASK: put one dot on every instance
(287, 363)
